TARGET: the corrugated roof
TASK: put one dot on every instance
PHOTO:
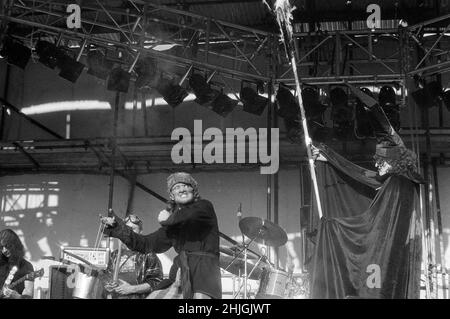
(250, 13)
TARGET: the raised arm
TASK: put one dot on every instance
(156, 242)
(342, 164)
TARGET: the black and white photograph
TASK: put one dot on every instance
(248, 153)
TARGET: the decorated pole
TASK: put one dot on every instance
(283, 12)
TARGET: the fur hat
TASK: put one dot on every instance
(181, 177)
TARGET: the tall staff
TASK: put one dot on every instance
(283, 12)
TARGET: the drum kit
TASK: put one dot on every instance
(246, 264)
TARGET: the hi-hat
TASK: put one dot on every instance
(237, 266)
(263, 231)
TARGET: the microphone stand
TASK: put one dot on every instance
(245, 250)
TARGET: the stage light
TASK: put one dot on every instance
(386, 98)
(342, 113)
(287, 105)
(313, 108)
(288, 109)
(171, 92)
(48, 53)
(70, 68)
(434, 92)
(253, 103)
(146, 71)
(223, 105)
(428, 94)
(118, 80)
(203, 92)
(446, 99)
(420, 98)
(363, 125)
(15, 52)
(98, 65)
(403, 23)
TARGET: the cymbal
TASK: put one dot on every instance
(263, 231)
(237, 266)
(237, 250)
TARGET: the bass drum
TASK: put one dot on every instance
(273, 284)
(87, 287)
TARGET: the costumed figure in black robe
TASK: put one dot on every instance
(369, 238)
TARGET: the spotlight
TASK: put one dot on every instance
(363, 124)
(118, 80)
(223, 105)
(386, 98)
(313, 108)
(202, 90)
(98, 65)
(446, 99)
(260, 87)
(342, 113)
(172, 93)
(70, 68)
(253, 103)
(287, 105)
(435, 91)
(289, 110)
(146, 71)
(420, 98)
(403, 23)
(16, 53)
(48, 53)
(428, 95)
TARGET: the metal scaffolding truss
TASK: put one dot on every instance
(137, 28)
(143, 155)
(435, 48)
(394, 64)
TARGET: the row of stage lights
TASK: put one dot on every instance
(118, 79)
(347, 119)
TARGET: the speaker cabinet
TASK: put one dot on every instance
(58, 288)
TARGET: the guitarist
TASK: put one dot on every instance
(139, 273)
(12, 254)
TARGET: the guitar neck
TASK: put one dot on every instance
(31, 276)
(18, 281)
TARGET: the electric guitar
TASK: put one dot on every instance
(31, 276)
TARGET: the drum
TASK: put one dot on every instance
(87, 287)
(273, 284)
